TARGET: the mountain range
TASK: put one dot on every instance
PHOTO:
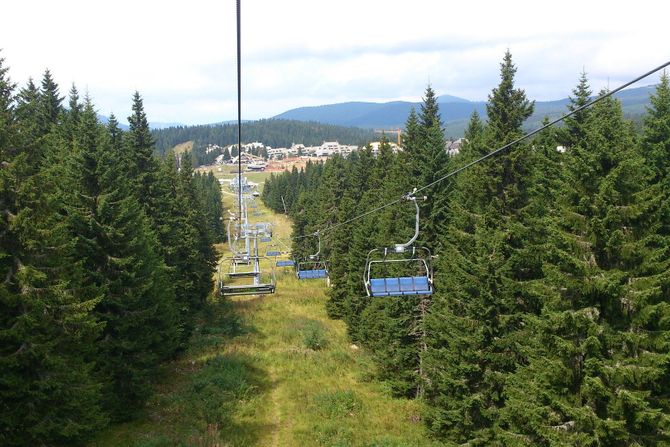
(154, 126)
(455, 111)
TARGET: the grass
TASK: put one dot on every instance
(272, 370)
(183, 147)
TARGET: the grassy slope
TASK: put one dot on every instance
(183, 147)
(272, 370)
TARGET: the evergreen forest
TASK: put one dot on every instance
(549, 324)
(106, 256)
(271, 132)
(550, 321)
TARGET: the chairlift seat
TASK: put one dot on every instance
(241, 260)
(273, 253)
(243, 274)
(406, 285)
(312, 274)
(266, 239)
(251, 289)
(286, 263)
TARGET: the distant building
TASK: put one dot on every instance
(375, 147)
(454, 147)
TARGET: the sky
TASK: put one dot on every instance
(181, 55)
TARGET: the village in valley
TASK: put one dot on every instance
(257, 156)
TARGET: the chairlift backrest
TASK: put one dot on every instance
(406, 269)
(286, 263)
(388, 273)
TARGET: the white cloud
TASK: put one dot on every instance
(181, 55)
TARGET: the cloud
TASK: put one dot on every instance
(181, 56)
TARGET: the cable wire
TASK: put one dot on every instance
(491, 154)
(239, 107)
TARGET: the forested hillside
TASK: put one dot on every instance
(271, 132)
(455, 112)
(105, 257)
(550, 324)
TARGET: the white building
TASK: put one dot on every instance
(375, 147)
(454, 147)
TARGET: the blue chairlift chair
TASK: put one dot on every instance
(238, 281)
(313, 267)
(401, 270)
(280, 262)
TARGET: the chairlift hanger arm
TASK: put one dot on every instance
(400, 248)
(318, 252)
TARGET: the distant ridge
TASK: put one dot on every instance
(153, 126)
(455, 111)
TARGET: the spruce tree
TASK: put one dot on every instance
(27, 112)
(574, 131)
(656, 135)
(115, 134)
(433, 164)
(202, 256)
(72, 115)
(594, 376)
(7, 109)
(48, 395)
(484, 278)
(142, 165)
(115, 244)
(50, 103)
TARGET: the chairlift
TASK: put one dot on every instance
(401, 270)
(237, 282)
(280, 262)
(285, 263)
(313, 267)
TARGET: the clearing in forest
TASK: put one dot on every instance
(272, 370)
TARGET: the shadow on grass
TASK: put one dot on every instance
(210, 398)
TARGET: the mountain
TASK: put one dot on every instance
(153, 126)
(455, 111)
(158, 125)
(450, 99)
(105, 119)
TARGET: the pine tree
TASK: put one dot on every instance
(115, 244)
(27, 112)
(410, 142)
(7, 109)
(432, 163)
(50, 103)
(48, 395)
(574, 131)
(72, 115)
(208, 190)
(473, 135)
(139, 156)
(656, 137)
(115, 133)
(594, 376)
(484, 278)
(340, 271)
(200, 241)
